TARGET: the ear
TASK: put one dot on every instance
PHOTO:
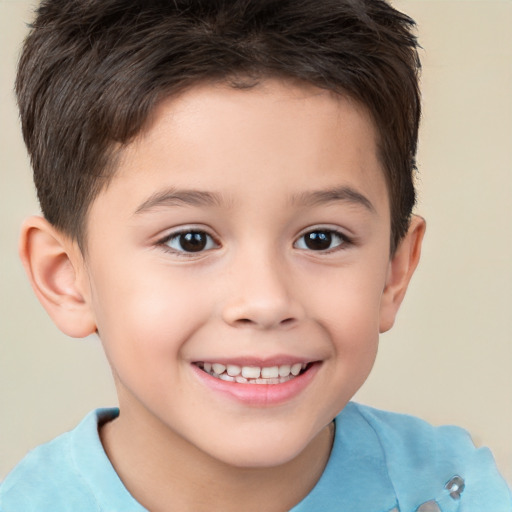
(401, 268)
(55, 268)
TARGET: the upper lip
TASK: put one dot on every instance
(258, 361)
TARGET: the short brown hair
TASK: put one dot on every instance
(92, 71)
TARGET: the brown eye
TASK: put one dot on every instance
(193, 242)
(190, 241)
(320, 240)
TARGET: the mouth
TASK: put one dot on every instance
(264, 375)
(257, 383)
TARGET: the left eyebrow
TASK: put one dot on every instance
(175, 197)
(333, 195)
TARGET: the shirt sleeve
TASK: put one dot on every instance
(437, 465)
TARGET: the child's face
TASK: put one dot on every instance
(248, 228)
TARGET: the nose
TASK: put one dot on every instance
(262, 296)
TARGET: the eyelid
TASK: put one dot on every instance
(162, 242)
(346, 240)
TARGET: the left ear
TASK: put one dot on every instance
(401, 268)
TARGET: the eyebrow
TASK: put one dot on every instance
(175, 197)
(333, 195)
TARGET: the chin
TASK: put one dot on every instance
(263, 452)
(259, 459)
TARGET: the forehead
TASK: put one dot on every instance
(224, 140)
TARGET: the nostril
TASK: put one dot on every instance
(247, 321)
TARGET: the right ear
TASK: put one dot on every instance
(55, 267)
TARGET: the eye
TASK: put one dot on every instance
(321, 240)
(189, 241)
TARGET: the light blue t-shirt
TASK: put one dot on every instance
(380, 462)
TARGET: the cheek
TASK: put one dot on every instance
(349, 314)
(145, 318)
(349, 301)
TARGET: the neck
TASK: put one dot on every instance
(160, 468)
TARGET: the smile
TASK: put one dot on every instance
(266, 384)
(253, 374)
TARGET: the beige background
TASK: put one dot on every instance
(448, 360)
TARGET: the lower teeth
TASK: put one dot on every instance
(242, 380)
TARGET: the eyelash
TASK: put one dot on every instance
(326, 234)
(323, 235)
(164, 242)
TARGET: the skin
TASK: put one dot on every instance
(256, 291)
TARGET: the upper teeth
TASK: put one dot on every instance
(255, 372)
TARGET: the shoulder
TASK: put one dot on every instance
(49, 477)
(438, 463)
(38, 481)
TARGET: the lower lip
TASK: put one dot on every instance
(260, 395)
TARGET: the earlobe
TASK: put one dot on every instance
(54, 266)
(401, 268)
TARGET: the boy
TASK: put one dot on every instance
(227, 194)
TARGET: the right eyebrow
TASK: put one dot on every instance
(331, 195)
(175, 197)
